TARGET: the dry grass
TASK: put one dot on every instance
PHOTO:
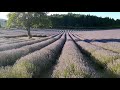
(114, 66)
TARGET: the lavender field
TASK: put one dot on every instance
(55, 53)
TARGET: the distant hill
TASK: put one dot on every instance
(3, 22)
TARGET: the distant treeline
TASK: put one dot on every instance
(56, 21)
(77, 21)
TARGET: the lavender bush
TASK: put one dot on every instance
(10, 56)
(72, 64)
(33, 64)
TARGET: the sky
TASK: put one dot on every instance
(114, 15)
(3, 15)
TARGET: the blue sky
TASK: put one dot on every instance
(115, 15)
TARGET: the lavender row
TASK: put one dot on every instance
(9, 57)
(72, 64)
(20, 44)
(33, 64)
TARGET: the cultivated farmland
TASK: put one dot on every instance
(55, 53)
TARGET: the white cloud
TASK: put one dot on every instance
(3, 15)
(57, 13)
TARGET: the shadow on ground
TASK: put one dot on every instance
(102, 40)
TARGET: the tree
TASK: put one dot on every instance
(82, 21)
(26, 20)
(11, 20)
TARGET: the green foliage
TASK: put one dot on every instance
(11, 20)
(28, 19)
(82, 21)
(71, 21)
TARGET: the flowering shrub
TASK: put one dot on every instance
(10, 56)
(72, 64)
(33, 64)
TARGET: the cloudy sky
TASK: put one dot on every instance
(115, 15)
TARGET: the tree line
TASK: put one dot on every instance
(29, 20)
(82, 21)
(60, 21)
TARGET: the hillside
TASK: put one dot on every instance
(3, 22)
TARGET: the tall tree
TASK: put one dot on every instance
(11, 20)
(26, 20)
